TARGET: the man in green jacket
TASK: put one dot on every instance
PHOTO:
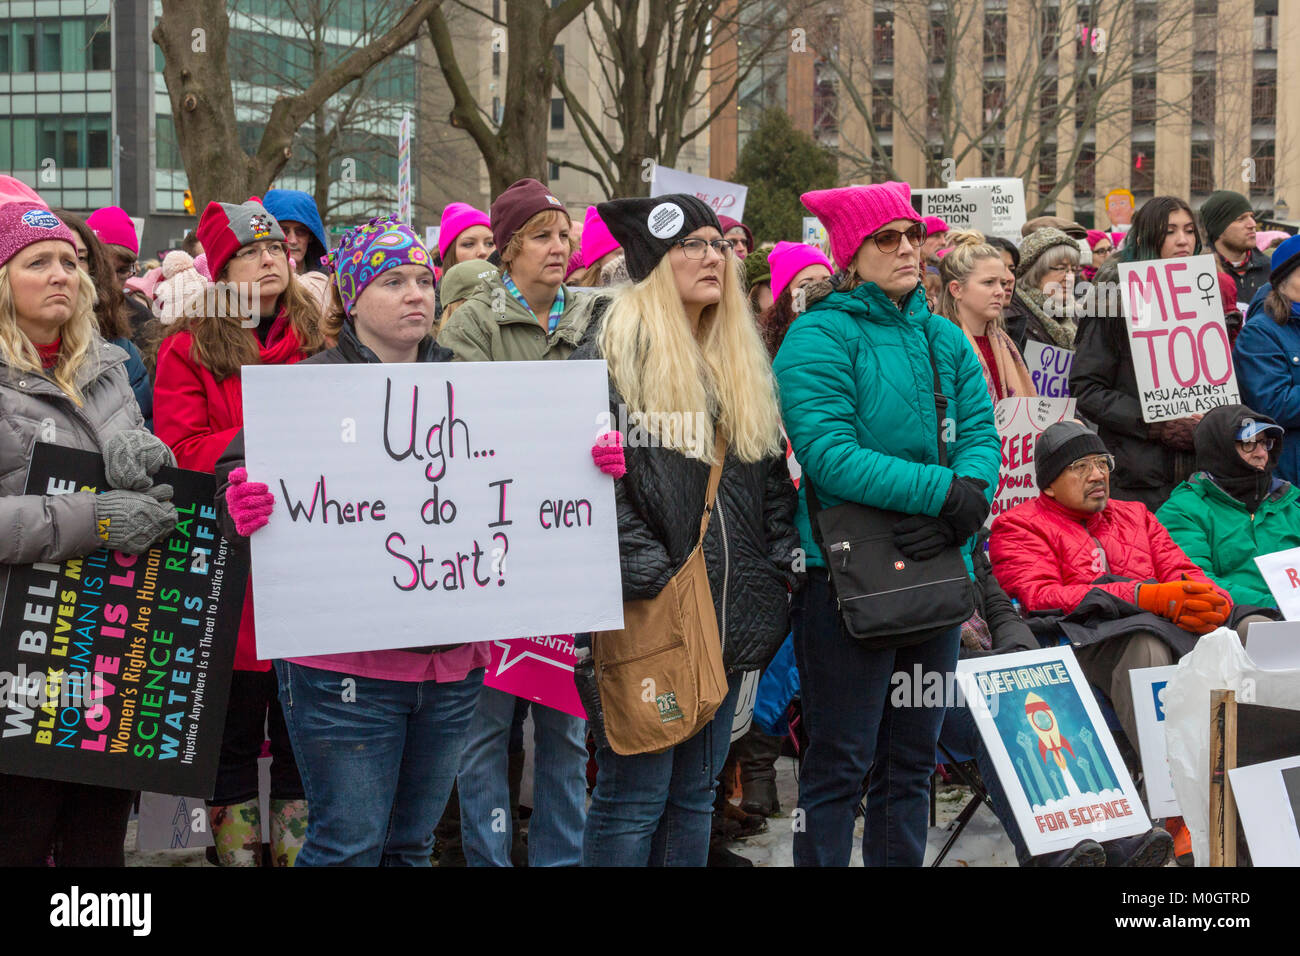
(1234, 508)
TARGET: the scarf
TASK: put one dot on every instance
(281, 346)
(1061, 333)
(1017, 382)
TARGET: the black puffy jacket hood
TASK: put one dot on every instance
(1216, 452)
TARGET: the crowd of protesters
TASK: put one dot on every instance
(825, 374)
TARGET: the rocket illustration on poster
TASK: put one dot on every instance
(1054, 754)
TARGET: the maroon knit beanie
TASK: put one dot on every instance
(514, 207)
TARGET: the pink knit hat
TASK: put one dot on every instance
(934, 225)
(25, 223)
(788, 259)
(115, 227)
(851, 213)
(596, 238)
(15, 190)
(456, 218)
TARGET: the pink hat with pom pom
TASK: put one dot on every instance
(851, 213)
(180, 291)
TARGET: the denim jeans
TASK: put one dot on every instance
(559, 785)
(962, 739)
(377, 759)
(657, 809)
(851, 725)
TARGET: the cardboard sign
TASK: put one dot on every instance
(426, 504)
(1281, 572)
(1181, 355)
(1149, 711)
(117, 667)
(1275, 645)
(1019, 422)
(1054, 755)
(970, 208)
(1008, 204)
(1267, 796)
(814, 233)
(1120, 204)
(724, 198)
(539, 669)
(1049, 366)
(404, 169)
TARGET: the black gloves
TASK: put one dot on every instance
(965, 508)
(921, 537)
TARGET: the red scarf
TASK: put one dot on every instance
(49, 353)
(282, 345)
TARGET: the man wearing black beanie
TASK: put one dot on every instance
(1229, 223)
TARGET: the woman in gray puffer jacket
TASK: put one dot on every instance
(60, 383)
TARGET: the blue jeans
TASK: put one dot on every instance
(559, 785)
(962, 739)
(657, 809)
(851, 725)
(377, 759)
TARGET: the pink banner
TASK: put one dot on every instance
(539, 669)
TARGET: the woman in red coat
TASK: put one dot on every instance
(256, 313)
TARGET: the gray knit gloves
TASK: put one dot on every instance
(132, 457)
(131, 522)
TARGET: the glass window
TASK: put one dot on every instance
(70, 142)
(5, 59)
(51, 51)
(97, 140)
(168, 150)
(24, 46)
(4, 143)
(557, 112)
(24, 143)
(101, 46)
(47, 139)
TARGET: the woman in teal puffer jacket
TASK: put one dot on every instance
(1235, 508)
(857, 397)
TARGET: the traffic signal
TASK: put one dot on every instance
(189, 202)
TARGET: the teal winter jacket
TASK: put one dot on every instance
(857, 398)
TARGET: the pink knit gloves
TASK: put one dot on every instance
(250, 502)
(607, 453)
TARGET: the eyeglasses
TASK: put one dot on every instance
(1063, 268)
(1250, 444)
(1102, 251)
(698, 248)
(888, 240)
(254, 252)
(125, 271)
(1084, 466)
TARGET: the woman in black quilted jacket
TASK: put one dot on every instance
(685, 358)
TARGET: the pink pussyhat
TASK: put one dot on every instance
(788, 259)
(25, 223)
(456, 218)
(596, 239)
(15, 190)
(934, 225)
(114, 226)
(851, 213)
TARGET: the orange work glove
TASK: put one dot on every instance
(1192, 605)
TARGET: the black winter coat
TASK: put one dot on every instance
(1103, 381)
(749, 547)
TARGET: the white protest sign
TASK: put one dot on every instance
(814, 233)
(1181, 356)
(1049, 366)
(424, 504)
(1019, 422)
(431, 234)
(959, 208)
(1267, 795)
(724, 198)
(1149, 712)
(1281, 572)
(1008, 204)
(1063, 775)
(1275, 645)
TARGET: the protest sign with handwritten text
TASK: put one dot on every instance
(426, 504)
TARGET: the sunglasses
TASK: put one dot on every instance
(888, 240)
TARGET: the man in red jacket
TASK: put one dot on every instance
(1127, 595)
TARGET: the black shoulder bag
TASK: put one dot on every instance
(886, 599)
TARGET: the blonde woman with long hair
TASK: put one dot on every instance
(61, 383)
(973, 296)
(686, 360)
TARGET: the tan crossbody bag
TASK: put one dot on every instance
(661, 677)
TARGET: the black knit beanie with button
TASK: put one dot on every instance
(647, 227)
